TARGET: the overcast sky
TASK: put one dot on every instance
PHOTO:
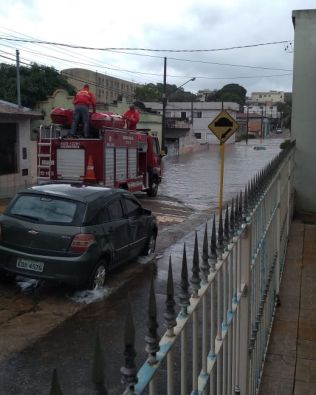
(162, 25)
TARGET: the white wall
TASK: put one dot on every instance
(200, 125)
(303, 109)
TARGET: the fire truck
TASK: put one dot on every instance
(113, 156)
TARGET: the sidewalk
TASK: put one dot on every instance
(290, 366)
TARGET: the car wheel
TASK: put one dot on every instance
(98, 276)
(150, 245)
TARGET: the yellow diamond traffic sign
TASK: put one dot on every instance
(223, 126)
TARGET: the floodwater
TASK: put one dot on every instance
(194, 180)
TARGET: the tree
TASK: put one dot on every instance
(152, 92)
(230, 92)
(285, 109)
(36, 83)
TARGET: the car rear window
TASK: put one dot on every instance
(47, 209)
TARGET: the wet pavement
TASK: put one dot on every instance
(290, 366)
(45, 327)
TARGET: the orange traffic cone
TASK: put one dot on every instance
(90, 174)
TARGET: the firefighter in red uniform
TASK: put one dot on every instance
(132, 117)
(82, 101)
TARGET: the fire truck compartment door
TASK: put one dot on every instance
(121, 162)
(109, 166)
(71, 163)
(132, 162)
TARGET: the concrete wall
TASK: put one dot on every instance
(304, 109)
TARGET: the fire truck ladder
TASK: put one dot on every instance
(44, 153)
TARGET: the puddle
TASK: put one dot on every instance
(90, 296)
(25, 283)
(143, 260)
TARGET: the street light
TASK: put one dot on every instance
(164, 105)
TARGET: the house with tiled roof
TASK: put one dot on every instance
(17, 150)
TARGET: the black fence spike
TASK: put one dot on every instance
(152, 338)
(236, 213)
(245, 207)
(98, 367)
(184, 295)
(213, 252)
(226, 227)
(232, 219)
(195, 279)
(170, 313)
(55, 386)
(205, 267)
(220, 238)
(240, 207)
(129, 372)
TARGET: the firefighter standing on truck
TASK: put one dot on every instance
(82, 101)
(132, 117)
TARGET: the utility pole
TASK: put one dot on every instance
(18, 87)
(164, 105)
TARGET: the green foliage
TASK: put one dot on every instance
(286, 144)
(152, 92)
(230, 92)
(36, 83)
(286, 113)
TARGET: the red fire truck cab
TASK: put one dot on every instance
(117, 158)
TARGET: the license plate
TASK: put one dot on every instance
(28, 264)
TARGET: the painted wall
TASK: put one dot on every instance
(303, 109)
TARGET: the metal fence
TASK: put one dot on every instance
(218, 342)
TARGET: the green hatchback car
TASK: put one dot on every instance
(74, 234)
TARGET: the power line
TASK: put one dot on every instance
(143, 49)
(204, 62)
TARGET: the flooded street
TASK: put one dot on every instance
(194, 178)
(187, 196)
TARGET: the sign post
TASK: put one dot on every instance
(223, 127)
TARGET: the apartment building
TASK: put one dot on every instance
(106, 88)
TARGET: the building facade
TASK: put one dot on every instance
(190, 120)
(18, 157)
(303, 110)
(106, 88)
(267, 97)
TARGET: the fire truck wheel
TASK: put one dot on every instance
(153, 190)
(150, 245)
(98, 277)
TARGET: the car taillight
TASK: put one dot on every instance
(81, 242)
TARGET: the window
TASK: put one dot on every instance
(132, 208)
(198, 135)
(183, 115)
(115, 210)
(197, 114)
(8, 152)
(45, 209)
